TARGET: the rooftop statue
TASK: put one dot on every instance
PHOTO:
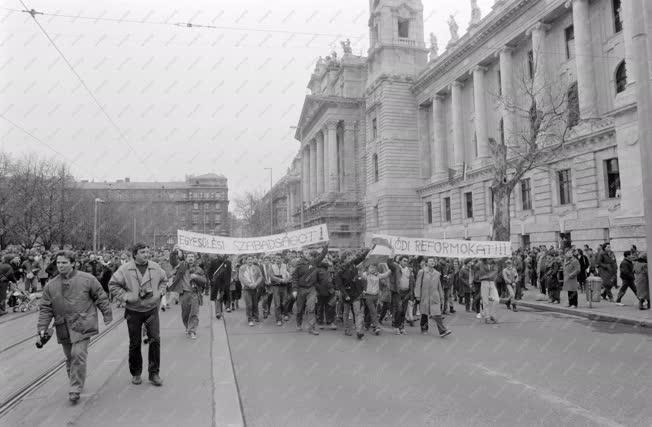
(476, 14)
(346, 47)
(452, 25)
(434, 47)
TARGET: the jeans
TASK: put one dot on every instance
(135, 322)
(385, 307)
(280, 297)
(76, 356)
(353, 309)
(400, 304)
(218, 302)
(490, 298)
(306, 300)
(448, 301)
(324, 312)
(467, 301)
(477, 298)
(370, 302)
(251, 303)
(438, 321)
(190, 310)
(623, 289)
(266, 296)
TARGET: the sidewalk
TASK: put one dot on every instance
(604, 311)
(199, 386)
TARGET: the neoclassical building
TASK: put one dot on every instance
(398, 142)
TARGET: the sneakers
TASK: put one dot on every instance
(299, 328)
(620, 304)
(402, 331)
(251, 323)
(478, 316)
(332, 327)
(136, 380)
(376, 331)
(228, 309)
(313, 332)
(192, 336)
(156, 380)
(445, 334)
(279, 323)
(397, 331)
(73, 397)
(493, 319)
(321, 327)
(286, 318)
(360, 335)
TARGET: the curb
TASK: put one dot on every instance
(227, 406)
(596, 316)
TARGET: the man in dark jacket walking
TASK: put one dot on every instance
(219, 272)
(402, 288)
(72, 299)
(6, 277)
(305, 278)
(351, 285)
(627, 276)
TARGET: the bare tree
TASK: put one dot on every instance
(251, 210)
(543, 111)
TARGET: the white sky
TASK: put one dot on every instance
(188, 100)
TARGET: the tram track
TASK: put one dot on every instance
(11, 318)
(17, 343)
(16, 397)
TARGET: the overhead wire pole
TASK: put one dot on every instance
(271, 203)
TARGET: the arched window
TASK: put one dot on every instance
(573, 103)
(621, 77)
(374, 160)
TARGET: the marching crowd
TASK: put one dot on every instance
(353, 289)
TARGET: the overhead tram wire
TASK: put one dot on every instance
(491, 49)
(33, 14)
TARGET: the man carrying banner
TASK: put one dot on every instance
(304, 279)
(251, 279)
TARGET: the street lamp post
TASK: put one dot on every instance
(96, 201)
(271, 203)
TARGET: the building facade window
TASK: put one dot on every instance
(530, 63)
(501, 131)
(429, 212)
(612, 178)
(526, 194)
(525, 241)
(374, 160)
(403, 28)
(573, 105)
(447, 209)
(195, 205)
(618, 22)
(621, 77)
(565, 186)
(500, 83)
(468, 201)
(374, 128)
(569, 35)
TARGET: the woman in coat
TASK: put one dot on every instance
(429, 295)
(641, 281)
(572, 269)
(607, 269)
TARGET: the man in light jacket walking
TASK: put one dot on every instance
(251, 279)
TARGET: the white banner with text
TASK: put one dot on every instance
(206, 243)
(444, 248)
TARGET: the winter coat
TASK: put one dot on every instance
(465, 278)
(641, 279)
(251, 282)
(348, 280)
(126, 283)
(607, 268)
(429, 292)
(73, 306)
(220, 279)
(305, 274)
(397, 275)
(324, 286)
(571, 271)
(6, 273)
(627, 271)
(584, 267)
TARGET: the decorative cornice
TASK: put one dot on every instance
(470, 42)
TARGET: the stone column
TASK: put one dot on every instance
(458, 123)
(628, 34)
(584, 59)
(480, 121)
(438, 152)
(349, 161)
(506, 78)
(538, 33)
(331, 143)
(313, 170)
(319, 143)
(305, 173)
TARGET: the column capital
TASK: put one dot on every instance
(350, 125)
(505, 50)
(479, 68)
(539, 26)
(331, 124)
(457, 83)
(438, 98)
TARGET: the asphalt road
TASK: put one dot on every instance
(534, 369)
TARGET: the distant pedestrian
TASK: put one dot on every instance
(140, 284)
(627, 276)
(607, 269)
(641, 281)
(571, 272)
(71, 299)
(511, 277)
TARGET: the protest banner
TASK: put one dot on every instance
(206, 243)
(444, 248)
